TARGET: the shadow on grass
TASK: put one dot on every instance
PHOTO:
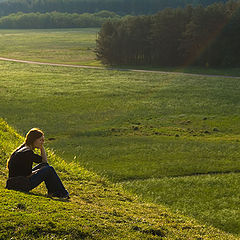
(43, 195)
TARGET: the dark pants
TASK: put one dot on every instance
(53, 183)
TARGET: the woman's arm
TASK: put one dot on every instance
(43, 154)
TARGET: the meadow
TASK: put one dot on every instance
(72, 46)
(96, 210)
(171, 138)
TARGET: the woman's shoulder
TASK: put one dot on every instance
(25, 149)
(22, 150)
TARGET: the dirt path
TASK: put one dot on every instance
(105, 68)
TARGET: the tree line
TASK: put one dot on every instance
(55, 20)
(121, 7)
(200, 36)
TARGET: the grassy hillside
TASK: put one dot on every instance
(139, 129)
(152, 133)
(97, 209)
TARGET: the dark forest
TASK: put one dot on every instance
(121, 7)
(199, 36)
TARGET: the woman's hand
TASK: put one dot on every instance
(38, 143)
(43, 154)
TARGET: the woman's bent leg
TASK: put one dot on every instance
(55, 186)
(39, 166)
(51, 179)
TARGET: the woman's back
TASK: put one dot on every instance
(21, 161)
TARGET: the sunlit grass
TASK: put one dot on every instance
(97, 209)
(213, 199)
(131, 126)
(69, 46)
(74, 46)
(129, 158)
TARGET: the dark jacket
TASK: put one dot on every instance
(21, 161)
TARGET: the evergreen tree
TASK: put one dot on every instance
(199, 36)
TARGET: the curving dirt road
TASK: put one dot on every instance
(106, 68)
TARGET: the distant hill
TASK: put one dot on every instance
(122, 7)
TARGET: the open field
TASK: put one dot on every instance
(96, 210)
(72, 46)
(137, 126)
(150, 132)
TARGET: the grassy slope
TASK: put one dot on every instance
(97, 209)
(212, 199)
(102, 108)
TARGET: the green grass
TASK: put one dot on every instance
(190, 70)
(71, 46)
(74, 46)
(97, 209)
(137, 129)
(133, 158)
(132, 126)
(213, 199)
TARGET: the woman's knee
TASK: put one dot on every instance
(48, 169)
(52, 168)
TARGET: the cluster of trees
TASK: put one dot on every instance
(200, 36)
(122, 7)
(55, 20)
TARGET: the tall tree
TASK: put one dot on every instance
(200, 36)
(123, 7)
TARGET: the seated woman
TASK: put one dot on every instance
(20, 167)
